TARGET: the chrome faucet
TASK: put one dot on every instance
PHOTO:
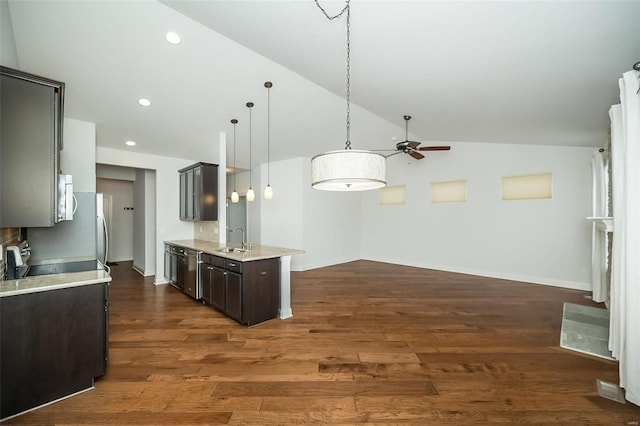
(244, 243)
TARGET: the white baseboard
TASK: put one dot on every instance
(574, 285)
(307, 267)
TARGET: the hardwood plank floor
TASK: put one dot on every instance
(369, 343)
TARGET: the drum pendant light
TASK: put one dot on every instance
(234, 195)
(347, 170)
(268, 191)
(251, 195)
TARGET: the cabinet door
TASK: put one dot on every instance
(197, 193)
(189, 195)
(183, 196)
(181, 270)
(218, 290)
(209, 192)
(173, 278)
(234, 295)
(206, 272)
(167, 263)
(261, 291)
(29, 113)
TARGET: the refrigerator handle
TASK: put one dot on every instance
(106, 239)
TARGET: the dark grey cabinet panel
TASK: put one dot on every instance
(53, 344)
(31, 113)
(218, 289)
(260, 291)
(199, 192)
(233, 296)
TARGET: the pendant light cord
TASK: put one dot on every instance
(268, 134)
(234, 121)
(346, 9)
(250, 105)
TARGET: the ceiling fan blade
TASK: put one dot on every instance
(412, 144)
(434, 148)
(416, 155)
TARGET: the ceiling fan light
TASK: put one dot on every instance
(348, 170)
(268, 192)
(251, 195)
(235, 197)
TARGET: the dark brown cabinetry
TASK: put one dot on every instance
(31, 113)
(248, 292)
(199, 192)
(52, 344)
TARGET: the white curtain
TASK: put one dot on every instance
(624, 337)
(599, 284)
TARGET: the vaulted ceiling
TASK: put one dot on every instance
(504, 72)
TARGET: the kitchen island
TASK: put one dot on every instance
(246, 259)
(53, 338)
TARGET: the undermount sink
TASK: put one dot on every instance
(232, 250)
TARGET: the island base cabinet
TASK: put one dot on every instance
(52, 345)
(248, 292)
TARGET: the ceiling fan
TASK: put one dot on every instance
(412, 148)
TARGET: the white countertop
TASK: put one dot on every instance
(257, 252)
(52, 282)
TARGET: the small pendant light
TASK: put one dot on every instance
(268, 191)
(234, 195)
(251, 195)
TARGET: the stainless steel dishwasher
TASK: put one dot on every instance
(189, 272)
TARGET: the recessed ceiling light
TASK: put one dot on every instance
(130, 143)
(172, 37)
(144, 102)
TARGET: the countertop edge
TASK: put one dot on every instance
(40, 283)
(258, 252)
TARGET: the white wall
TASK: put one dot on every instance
(326, 225)
(139, 229)
(150, 266)
(168, 223)
(106, 171)
(282, 216)
(8, 54)
(543, 241)
(121, 230)
(77, 156)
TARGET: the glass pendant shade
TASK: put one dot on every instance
(235, 197)
(251, 195)
(348, 170)
(268, 192)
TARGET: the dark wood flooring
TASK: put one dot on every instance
(369, 343)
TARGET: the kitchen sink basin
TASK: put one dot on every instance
(233, 250)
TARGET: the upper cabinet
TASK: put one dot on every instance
(199, 192)
(31, 113)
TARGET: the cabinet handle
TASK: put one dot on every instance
(263, 273)
(232, 264)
